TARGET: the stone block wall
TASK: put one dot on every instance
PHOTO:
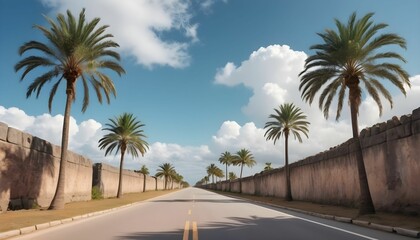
(29, 171)
(391, 152)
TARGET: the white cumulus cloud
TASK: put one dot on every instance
(139, 26)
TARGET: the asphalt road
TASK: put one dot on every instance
(192, 214)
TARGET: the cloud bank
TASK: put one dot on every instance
(139, 27)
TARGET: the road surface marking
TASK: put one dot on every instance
(195, 231)
(325, 225)
(338, 229)
(186, 230)
(189, 212)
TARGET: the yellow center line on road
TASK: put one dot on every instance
(186, 230)
(189, 212)
(195, 231)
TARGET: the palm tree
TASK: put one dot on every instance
(226, 158)
(232, 176)
(206, 179)
(287, 120)
(145, 171)
(167, 171)
(243, 157)
(219, 174)
(268, 166)
(125, 135)
(212, 170)
(348, 57)
(75, 49)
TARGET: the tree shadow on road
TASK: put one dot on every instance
(253, 227)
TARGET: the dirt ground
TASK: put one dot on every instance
(389, 219)
(23, 218)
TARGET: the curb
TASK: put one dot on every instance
(407, 232)
(30, 229)
(11, 233)
(396, 230)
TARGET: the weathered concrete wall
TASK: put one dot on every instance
(391, 153)
(29, 171)
(150, 183)
(160, 183)
(109, 178)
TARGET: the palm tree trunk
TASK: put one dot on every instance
(59, 197)
(366, 203)
(119, 193)
(288, 186)
(226, 172)
(240, 179)
(144, 182)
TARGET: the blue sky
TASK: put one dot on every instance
(202, 75)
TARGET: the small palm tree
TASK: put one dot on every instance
(226, 158)
(232, 176)
(212, 170)
(347, 58)
(145, 171)
(75, 49)
(243, 157)
(268, 166)
(219, 174)
(167, 171)
(287, 120)
(206, 179)
(125, 135)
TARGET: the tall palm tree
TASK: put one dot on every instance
(145, 171)
(347, 57)
(75, 49)
(288, 119)
(243, 157)
(167, 171)
(226, 158)
(212, 170)
(125, 135)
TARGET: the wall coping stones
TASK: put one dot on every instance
(14, 136)
(416, 114)
(3, 131)
(26, 140)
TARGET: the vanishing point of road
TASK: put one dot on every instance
(193, 214)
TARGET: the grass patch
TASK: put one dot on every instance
(96, 193)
